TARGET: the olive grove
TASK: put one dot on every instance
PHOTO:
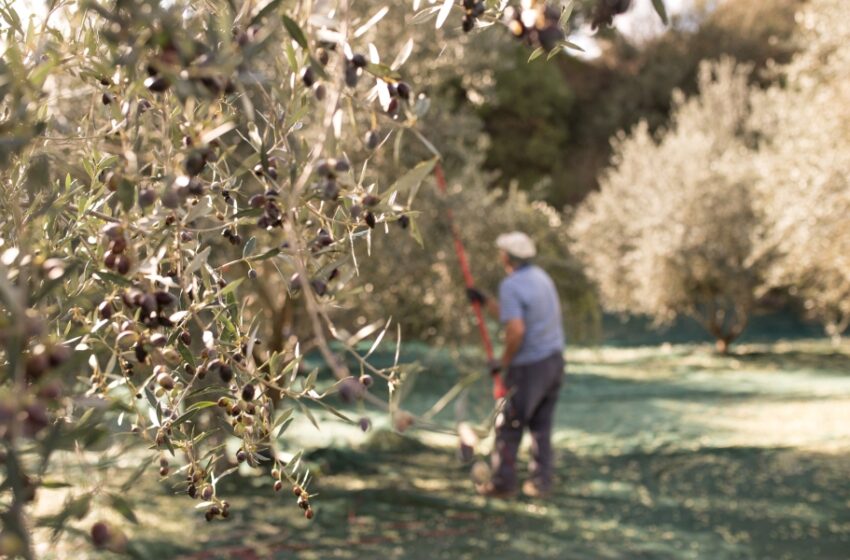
(744, 194)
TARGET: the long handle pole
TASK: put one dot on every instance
(464, 265)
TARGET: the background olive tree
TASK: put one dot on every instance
(578, 103)
(422, 285)
(804, 167)
(675, 228)
(744, 195)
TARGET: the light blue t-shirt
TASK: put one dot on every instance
(528, 293)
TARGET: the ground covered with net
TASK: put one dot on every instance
(665, 452)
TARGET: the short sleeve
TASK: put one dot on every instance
(510, 305)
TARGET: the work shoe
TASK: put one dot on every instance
(530, 489)
(490, 491)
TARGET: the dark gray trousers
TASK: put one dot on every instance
(535, 390)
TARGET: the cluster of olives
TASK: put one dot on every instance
(369, 202)
(303, 501)
(27, 413)
(308, 77)
(172, 195)
(322, 240)
(43, 358)
(157, 83)
(302, 495)
(173, 59)
(244, 414)
(272, 216)
(197, 159)
(152, 308)
(182, 68)
(192, 62)
(605, 10)
(175, 194)
(536, 23)
(231, 235)
(212, 84)
(198, 488)
(216, 510)
(354, 69)
(327, 169)
(472, 11)
(397, 91)
(309, 74)
(355, 64)
(115, 257)
(269, 170)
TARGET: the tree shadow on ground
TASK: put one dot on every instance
(591, 387)
(645, 482)
(741, 502)
(797, 360)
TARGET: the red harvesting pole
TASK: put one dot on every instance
(464, 265)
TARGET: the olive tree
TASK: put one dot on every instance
(422, 285)
(804, 167)
(675, 228)
(415, 276)
(188, 191)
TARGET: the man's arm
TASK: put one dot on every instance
(514, 334)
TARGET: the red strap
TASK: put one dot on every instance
(464, 266)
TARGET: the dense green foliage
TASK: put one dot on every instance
(597, 98)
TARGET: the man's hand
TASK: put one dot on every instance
(474, 295)
(500, 391)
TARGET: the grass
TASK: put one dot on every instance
(665, 452)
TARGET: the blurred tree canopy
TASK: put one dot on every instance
(421, 286)
(804, 166)
(744, 195)
(628, 83)
(532, 108)
(675, 228)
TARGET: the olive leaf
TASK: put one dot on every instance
(445, 9)
(295, 31)
(661, 10)
(410, 181)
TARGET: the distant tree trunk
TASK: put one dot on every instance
(724, 326)
(722, 345)
(835, 329)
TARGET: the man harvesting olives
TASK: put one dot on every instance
(530, 370)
